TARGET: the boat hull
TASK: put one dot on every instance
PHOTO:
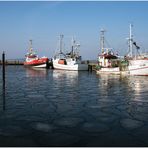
(139, 71)
(37, 63)
(40, 65)
(106, 70)
(136, 67)
(76, 67)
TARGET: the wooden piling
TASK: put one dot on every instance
(90, 68)
(3, 69)
(50, 65)
(3, 78)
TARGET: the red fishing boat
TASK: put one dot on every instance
(33, 60)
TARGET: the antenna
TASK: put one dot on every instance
(61, 42)
(74, 46)
(131, 41)
(102, 40)
(30, 49)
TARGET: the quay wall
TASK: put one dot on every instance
(12, 62)
(91, 63)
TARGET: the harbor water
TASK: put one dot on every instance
(45, 107)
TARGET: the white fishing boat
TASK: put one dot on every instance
(132, 64)
(137, 63)
(108, 62)
(69, 61)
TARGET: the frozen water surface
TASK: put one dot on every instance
(65, 108)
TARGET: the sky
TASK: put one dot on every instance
(44, 21)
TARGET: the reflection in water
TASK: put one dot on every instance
(125, 97)
(66, 85)
(35, 78)
(106, 79)
(3, 83)
(36, 72)
(139, 88)
(107, 83)
(4, 102)
(70, 76)
(70, 108)
(2, 94)
(136, 86)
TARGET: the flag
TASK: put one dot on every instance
(134, 43)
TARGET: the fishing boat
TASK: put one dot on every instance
(137, 63)
(68, 61)
(131, 64)
(108, 61)
(32, 59)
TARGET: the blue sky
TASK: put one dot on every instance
(43, 22)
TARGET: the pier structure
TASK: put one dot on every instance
(91, 64)
(3, 79)
(12, 62)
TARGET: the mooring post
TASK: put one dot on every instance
(3, 75)
(3, 69)
(47, 64)
(90, 68)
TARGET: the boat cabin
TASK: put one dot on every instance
(107, 59)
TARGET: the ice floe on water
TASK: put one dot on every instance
(42, 127)
(130, 124)
(94, 127)
(35, 96)
(13, 130)
(68, 122)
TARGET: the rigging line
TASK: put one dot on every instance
(107, 43)
(112, 49)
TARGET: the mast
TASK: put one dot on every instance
(131, 41)
(102, 40)
(72, 45)
(30, 49)
(61, 42)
